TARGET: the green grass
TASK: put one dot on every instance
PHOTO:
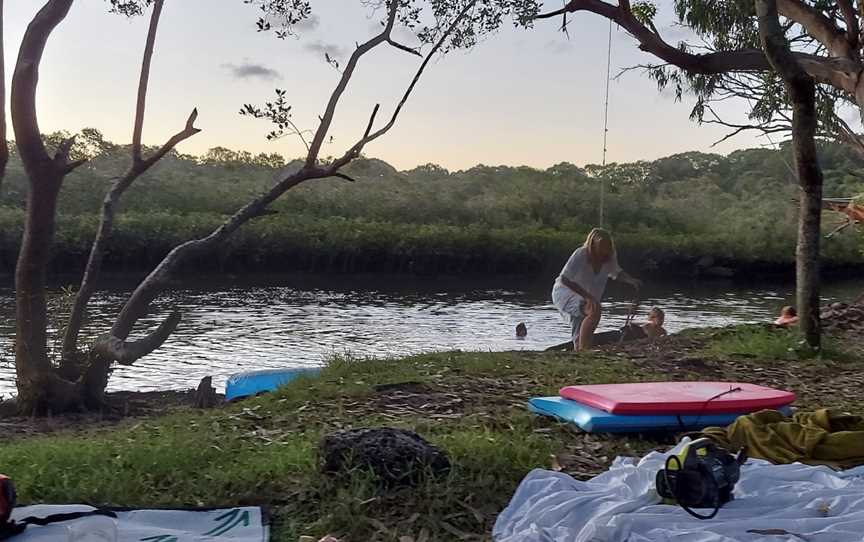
(774, 344)
(263, 451)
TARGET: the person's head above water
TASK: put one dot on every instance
(600, 245)
(521, 329)
(656, 316)
(788, 316)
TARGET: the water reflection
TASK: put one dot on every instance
(230, 327)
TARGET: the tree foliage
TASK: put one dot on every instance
(723, 59)
(741, 205)
(427, 18)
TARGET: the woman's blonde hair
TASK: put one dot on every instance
(596, 235)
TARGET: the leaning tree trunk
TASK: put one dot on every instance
(801, 89)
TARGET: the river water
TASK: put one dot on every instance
(293, 321)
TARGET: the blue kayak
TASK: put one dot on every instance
(255, 382)
(594, 420)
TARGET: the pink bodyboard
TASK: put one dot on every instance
(678, 397)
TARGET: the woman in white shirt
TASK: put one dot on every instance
(579, 288)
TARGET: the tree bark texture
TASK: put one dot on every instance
(39, 389)
(4, 143)
(801, 89)
(807, 256)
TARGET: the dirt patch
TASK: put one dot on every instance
(846, 323)
(120, 407)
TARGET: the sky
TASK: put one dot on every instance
(520, 97)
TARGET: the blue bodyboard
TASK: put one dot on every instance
(255, 382)
(594, 420)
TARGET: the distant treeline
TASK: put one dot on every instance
(722, 212)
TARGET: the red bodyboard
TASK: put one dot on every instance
(678, 397)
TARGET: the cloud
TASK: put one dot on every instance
(320, 48)
(250, 70)
(375, 26)
(559, 47)
(309, 23)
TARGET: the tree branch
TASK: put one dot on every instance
(144, 79)
(147, 291)
(853, 30)
(137, 304)
(841, 73)
(819, 26)
(25, 121)
(775, 45)
(371, 120)
(355, 151)
(847, 135)
(128, 352)
(848, 222)
(61, 156)
(138, 167)
(188, 131)
(405, 48)
(69, 167)
(327, 118)
(344, 176)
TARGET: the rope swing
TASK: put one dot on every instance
(606, 125)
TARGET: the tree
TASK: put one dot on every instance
(820, 67)
(79, 378)
(801, 89)
(4, 145)
(825, 39)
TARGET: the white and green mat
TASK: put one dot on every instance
(245, 524)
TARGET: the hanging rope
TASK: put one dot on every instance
(606, 124)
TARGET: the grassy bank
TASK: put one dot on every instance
(263, 451)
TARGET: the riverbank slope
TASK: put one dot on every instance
(472, 405)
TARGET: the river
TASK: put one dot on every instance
(233, 325)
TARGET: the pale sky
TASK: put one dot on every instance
(521, 97)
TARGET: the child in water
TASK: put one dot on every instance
(654, 327)
(788, 317)
(521, 330)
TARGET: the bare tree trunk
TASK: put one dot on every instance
(807, 260)
(39, 388)
(71, 364)
(32, 365)
(4, 144)
(801, 89)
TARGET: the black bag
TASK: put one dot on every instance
(9, 528)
